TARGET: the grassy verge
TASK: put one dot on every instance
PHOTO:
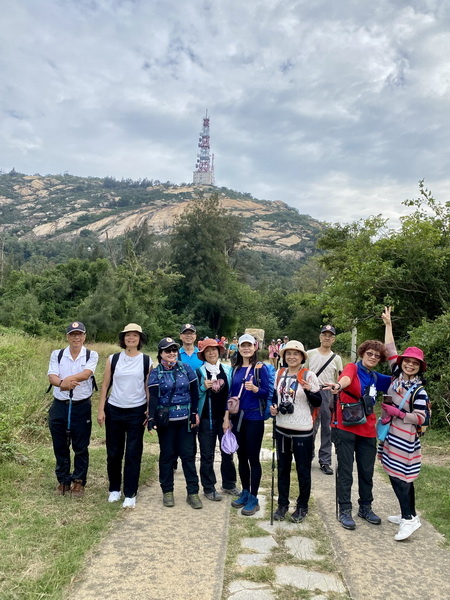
(45, 538)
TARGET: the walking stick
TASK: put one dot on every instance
(69, 418)
(273, 470)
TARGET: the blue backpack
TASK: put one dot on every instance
(264, 405)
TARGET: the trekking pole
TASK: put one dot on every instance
(69, 418)
(273, 470)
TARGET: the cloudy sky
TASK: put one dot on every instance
(337, 108)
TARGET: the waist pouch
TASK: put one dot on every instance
(353, 413)
(162, 416)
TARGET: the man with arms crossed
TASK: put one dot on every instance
(327, 366)
(70, 373)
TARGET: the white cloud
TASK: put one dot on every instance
(338, 109)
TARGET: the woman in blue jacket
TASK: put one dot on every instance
(214, 387)
(248, 424)
(173, 389)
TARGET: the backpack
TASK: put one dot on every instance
(315, 410)
(88, 356)
(115, 358)
(264, 405)
(421, 429)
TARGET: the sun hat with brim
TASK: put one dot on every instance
(167, 342)
(294, 345)
(208, 343)
(132, 327)
(247, 338)
(413, 352)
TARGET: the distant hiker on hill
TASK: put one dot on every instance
(70, 373)
(327, 366)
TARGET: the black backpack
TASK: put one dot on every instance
(88, 356)
(115, 358)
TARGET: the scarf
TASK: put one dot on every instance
(400, 384)
(168, 365)
(214, 370)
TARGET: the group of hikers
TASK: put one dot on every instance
(192, 397)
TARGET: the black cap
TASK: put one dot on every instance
(188, 326)
(329, 329)
(76, 326)
(167, 342)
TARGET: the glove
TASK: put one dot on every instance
(393, 411)
(385, 420)
(151, 424)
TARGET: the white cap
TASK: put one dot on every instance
(247, 338)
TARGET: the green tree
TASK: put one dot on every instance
(204, 237)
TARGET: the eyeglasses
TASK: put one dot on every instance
(373, 355)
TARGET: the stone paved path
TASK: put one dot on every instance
(179, 554)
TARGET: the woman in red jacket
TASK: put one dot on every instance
(354, 430)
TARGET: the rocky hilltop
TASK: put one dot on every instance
(62, 206)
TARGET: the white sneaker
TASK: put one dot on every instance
(129, 502)
(407, 527)
(396, 519)
(114, 496)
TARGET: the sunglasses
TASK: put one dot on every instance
(170, 350)
(373, 355)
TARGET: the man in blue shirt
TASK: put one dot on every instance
(188, 351)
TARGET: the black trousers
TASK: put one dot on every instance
(249, 439)
(207, 438)
(176, 440)
(406, 496)
(124, 435)
(80, 435)
(350, 446)
(302, 450)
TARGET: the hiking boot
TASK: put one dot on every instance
(346, 519)
(129, 502)
(77, 489)
(194, 501)
(280, 513)
(62, 489)
(251, 506)
(214, 496)
(241, 500)
(407, 527)
(326, 469)
(365, 512)
(114, 496)
(168, 499)
(299, 514)
(234, 491)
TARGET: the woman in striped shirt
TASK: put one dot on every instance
(400, 453)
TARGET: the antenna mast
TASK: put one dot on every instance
(204, 168)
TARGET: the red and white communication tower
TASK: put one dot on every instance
(204, 169)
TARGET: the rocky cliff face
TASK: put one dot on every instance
(62, 206)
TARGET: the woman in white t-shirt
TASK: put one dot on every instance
(124, 413)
